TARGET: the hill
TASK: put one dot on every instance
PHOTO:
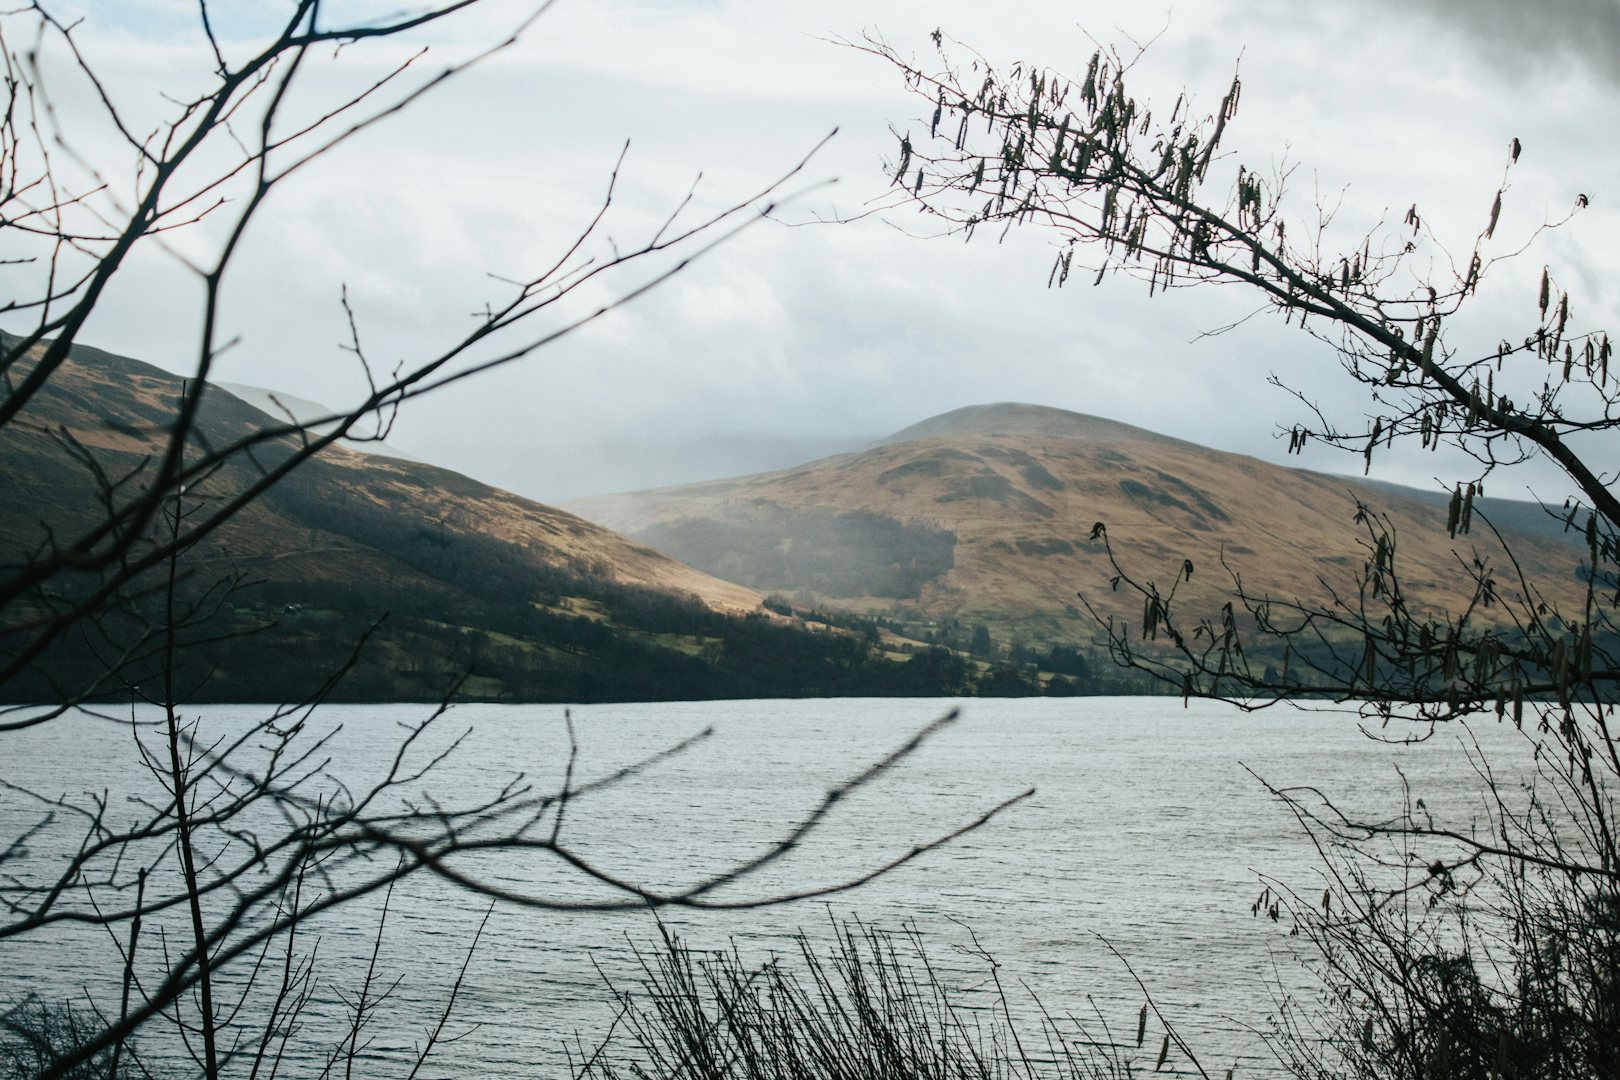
(536, 603)
(1011, 418)
(983, 516)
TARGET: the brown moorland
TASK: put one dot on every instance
(985, 514)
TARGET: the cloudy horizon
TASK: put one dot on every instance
(795, 335)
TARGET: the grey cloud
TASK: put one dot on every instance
(1522, 35)
(1517, 38)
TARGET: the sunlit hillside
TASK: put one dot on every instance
(985, 515)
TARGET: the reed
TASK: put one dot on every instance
(867, 1005)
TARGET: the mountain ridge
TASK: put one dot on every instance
(1013, 490)
(1021, 418)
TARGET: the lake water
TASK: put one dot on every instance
(1148, 831)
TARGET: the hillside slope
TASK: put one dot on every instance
(983, 515)
(534, 602)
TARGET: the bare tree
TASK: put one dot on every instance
(1124, 188)
(238, 837)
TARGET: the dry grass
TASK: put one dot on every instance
(869, 1005)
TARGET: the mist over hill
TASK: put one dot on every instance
(413, 577)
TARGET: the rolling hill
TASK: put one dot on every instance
(983, 516)
(533, 602)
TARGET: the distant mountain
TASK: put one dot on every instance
(286, 407)
(983, 516)
(534, 602)
(1517, 516)
(656, 458)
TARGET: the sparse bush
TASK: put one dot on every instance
(1501, 962)
(34, 1034)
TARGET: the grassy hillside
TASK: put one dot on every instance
(987, 512)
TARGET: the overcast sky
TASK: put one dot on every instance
(792, 341)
